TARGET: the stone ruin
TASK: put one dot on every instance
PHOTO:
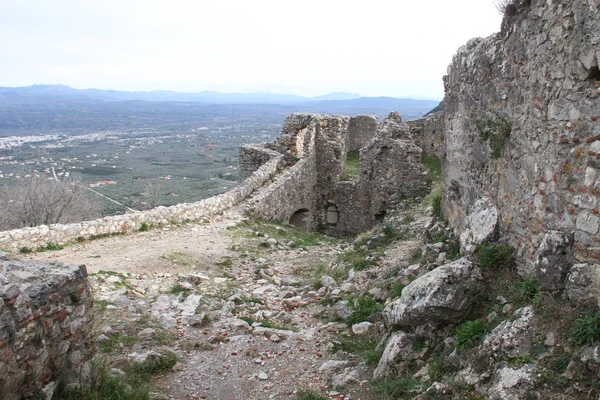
(45, 327)
(315, 190)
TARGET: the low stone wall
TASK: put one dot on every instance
(58, 233)
(45, 327)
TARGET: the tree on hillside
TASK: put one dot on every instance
(38, 201)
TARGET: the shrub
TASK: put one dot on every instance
(364, 308)
(495, 130)
(25, 250)
(470, 333)
(526, 291)
(497, 255)
(586, 330)
(453, 251)
(144, 227)
(50, 247)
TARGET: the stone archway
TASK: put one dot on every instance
(301, 219)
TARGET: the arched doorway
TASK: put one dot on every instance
(301, 219)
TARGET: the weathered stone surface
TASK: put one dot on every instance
(539, 75)
(583, 284)
(361, 328)
(446, 294)
(399, 348)
(512, 338)
(45, 327)
(553, 260)
(482, 225)
(512, 384)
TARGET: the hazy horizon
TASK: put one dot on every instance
(316, 48)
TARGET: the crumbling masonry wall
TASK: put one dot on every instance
(45, 327)
(541, 75)
(317, 184)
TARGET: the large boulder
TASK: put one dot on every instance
(583, 285)
(446, 294)
(553, 260)
(481, 225)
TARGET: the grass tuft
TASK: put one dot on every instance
(471, 333)
(361, 311)
(495, 256)
(586, 330)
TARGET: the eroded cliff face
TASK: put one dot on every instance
(522, 115)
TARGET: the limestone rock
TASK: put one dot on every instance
(553, 260)
(583, 284)
(398, 348)
(330, 366)
(512, 338)
(512, 384)
(349, 375)
(361, 328)
(482, 225)
(446, 294)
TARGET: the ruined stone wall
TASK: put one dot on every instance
(541, 76)
(390, 168)
(428, 134)
(252, 157)
(45, 327)
(361, 129)
(202, 210)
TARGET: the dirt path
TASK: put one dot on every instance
(238, 307)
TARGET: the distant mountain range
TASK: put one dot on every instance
(57, 107)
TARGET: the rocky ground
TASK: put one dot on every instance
(245, 306)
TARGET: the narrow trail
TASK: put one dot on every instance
(244, 321)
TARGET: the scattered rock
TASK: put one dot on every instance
(147, 333)
(342, 379)
(330, 366)
(583, 284)
(263, 376)
(512, 338)
(361, 328)
(512, 384)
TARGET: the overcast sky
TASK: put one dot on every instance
(308, 47)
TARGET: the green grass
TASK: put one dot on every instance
(453, 251)
(397, 388)
(396, 289)
(525, 292)
(177, 289)
(353, 165)
(586, 330)
(144, 227)
(50, 246)
(362, 345)
(416, 255)
(285, 233)
(104, 387)
(471, 333)
(434, 165)
(25, 250)
(364, 307)
(437, 207)
(495, 256)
